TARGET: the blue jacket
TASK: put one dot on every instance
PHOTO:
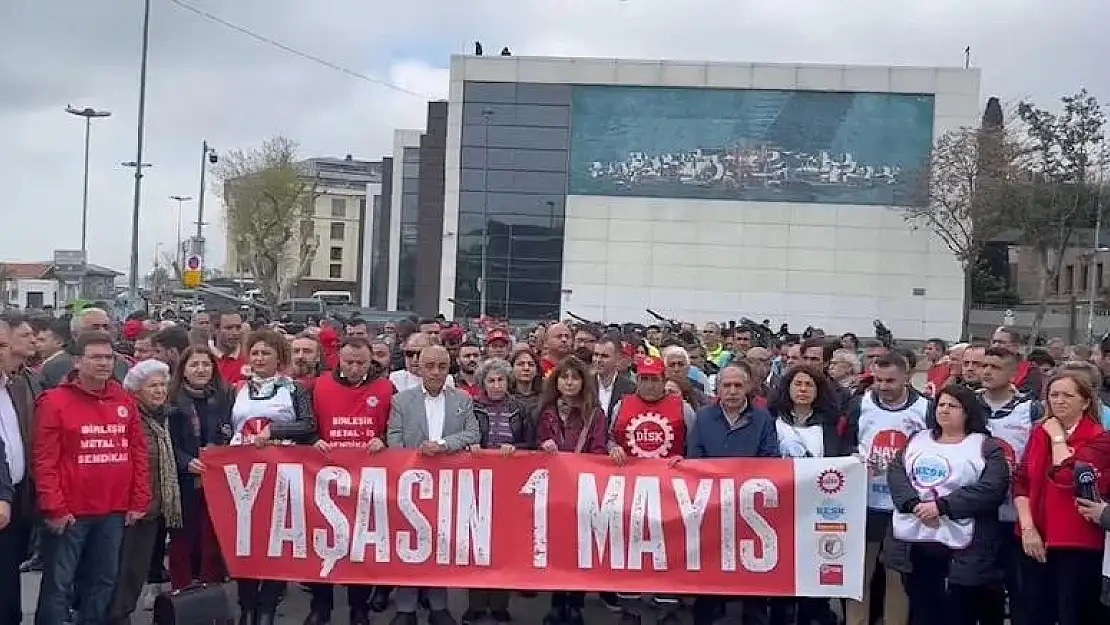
(713, 437)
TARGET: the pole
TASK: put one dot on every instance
(486, 114)
(133, 277)
(508, 271)
(1092, 279)
(85, 195)
(200, 197)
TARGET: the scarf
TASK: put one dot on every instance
(567, 410)
(265, 388)
(166, 480)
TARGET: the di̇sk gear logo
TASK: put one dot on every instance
(649, 435)
(372, 401)
(830, 481)
(121, 412)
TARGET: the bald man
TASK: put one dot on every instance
(436, 419)
(556, 347)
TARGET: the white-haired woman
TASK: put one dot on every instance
(506, 426)
(148, 381)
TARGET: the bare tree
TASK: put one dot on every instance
(964, 193)
(1063, 149)
(270, 207)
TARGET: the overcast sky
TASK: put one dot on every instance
(209, 82)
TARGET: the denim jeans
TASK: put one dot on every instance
(83, 559)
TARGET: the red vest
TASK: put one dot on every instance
(351, 416)
(233, 370)
(656, 430)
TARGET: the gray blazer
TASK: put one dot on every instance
(408, 423)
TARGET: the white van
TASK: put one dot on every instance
(334, 298)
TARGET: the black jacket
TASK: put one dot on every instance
(979, 563)
(195, 422)
(1104, 522)
(7, 489)
(621, 386)
(521, 422)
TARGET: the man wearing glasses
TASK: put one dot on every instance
(409, 377)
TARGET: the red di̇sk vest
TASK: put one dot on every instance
(651, 430)
(351, 416)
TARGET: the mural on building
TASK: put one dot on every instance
(764, 145)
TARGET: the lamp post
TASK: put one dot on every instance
(133, 276)
(180, 199)
(207, 155)
(487, 114)
(89, 114)
(1092, 275)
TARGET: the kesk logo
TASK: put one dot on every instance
(929, 471)
(830, 481)
(649, 435)
(831, 510)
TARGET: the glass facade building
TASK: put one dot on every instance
(410, 195)
(512, 194)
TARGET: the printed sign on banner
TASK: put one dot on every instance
(562, 522)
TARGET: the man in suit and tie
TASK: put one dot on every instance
(436, 419)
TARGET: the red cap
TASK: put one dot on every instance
(650, 366)
(132, 329)
(498, 335)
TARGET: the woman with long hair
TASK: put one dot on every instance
(269, 407)
(526, 383)
(1061, 571)
(570, 421)
(947, 484)
(202, 418)
(804, 405)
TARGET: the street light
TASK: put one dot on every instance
(133, 276)
(207, 155)
(487, 114)
(180, 199)
(88, 113)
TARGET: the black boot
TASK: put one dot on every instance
(266, 618)
(317, 617)
(360, 618)
(557, 615)
(574, 617)
(246, 617)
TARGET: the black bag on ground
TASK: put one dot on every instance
(202, 604)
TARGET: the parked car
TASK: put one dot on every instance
(301, 310)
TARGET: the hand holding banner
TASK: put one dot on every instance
(766, 527)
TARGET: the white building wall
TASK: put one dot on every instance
(18, 290)
(829, 265)
(373, 190)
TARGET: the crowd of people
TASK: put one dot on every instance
(985, 495)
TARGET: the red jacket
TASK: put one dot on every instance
(1051, 492)
(90, 454)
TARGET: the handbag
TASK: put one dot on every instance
(200, 604)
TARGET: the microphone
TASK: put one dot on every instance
(1085, 479)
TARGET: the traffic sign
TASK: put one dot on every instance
(194, 267)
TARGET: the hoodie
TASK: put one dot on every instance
(90, 454)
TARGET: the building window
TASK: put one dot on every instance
(335, 271)
(1069, 278)
(1098, 277)
(1085, 275)
(339, 207)
(337, 254)
(338, 231)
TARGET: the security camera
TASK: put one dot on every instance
(213, 158)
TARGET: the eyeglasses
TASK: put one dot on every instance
(412, 353)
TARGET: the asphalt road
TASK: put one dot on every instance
(294, 608)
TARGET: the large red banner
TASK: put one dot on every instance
(540, 521)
